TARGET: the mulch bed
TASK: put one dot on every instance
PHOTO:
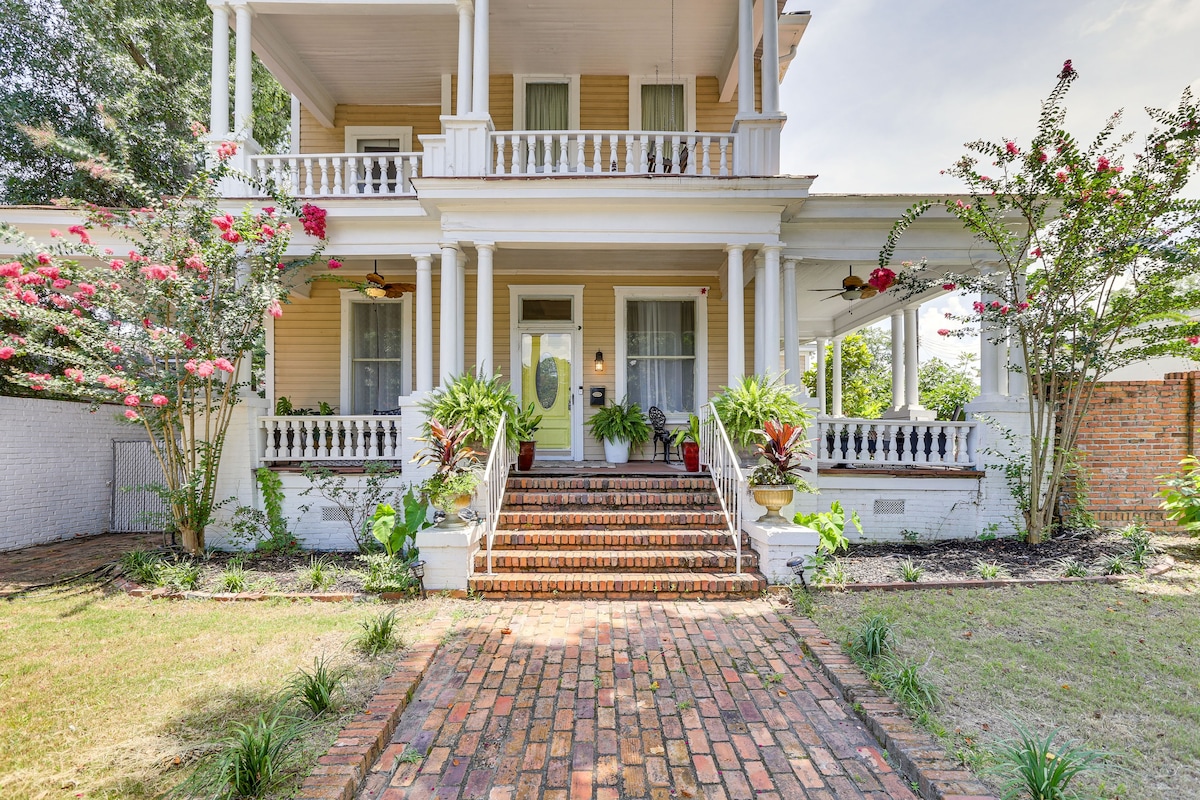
(955, 560)
(272, 572)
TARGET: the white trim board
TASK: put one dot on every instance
(402, 132)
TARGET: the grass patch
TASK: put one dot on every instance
(1114, 668)
(120, 696)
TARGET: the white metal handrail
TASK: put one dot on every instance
(368, 437)
(495, 480)
(613, 152)
(340, 174)
(717, 451)
(872, 442)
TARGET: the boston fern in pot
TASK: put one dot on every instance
(746, 406)
(619, 426)
(781, 453)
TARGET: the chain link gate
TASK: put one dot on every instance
(137, 510)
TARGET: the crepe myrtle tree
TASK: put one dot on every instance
(165, 327)
(1094, 253)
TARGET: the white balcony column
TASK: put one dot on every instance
(912, 396)
(735, 302)
(243, 89)
(760, 271)
(482, 60)
(771, 309)
(822, 397)
(449, 322)
(897, 360)
(791, 329)
(460, 335)
(483, 309)
(424, 334)
(836, 379)
(218, 115)
(466, 21)
(770, 58)
(989, 349)
(745, 57)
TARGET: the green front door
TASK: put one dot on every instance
(546, 382)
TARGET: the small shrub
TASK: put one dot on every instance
(1037, 769)
(904, 682)
(1072, 568)
(1114, 565)
(378, 634)
(233, 579)
(181, 575)
(873, 636)
(383, 574)
(1140, 554)
(1180, 495)
(319, 575)
(318, 690)
(141, 566)
(910, 537)
(909, 571)
(835, 574)
(252, 759)
(1136, 532)
(831, 525)
(989, 570)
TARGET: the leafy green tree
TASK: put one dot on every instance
(109, 75)
(866, 376)
(946, 388)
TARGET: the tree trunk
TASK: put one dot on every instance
(192, 540)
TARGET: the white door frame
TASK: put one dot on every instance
(574, 327)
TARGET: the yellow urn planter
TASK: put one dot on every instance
(452, 520)
(773, 498)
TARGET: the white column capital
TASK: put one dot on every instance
(735, 248)
(488, 246)
(772, 248)
(240, 7)
(465, 6)
(444, 246)
(219, 5)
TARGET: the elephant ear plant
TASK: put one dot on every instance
(397, 530)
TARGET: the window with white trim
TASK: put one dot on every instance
(661, 347)
(660, 104)
(376, 353)
(546, 102)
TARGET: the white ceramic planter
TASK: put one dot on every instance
(616, 452)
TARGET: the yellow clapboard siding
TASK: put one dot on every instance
(315, 138)
(603, 102)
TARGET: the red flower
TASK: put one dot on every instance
(1061, 176)
(81, 232)
(224, 223)
(335, 264)
(881, 279)
(943, 332)
(1012, 148)
(1036, 252)
(6, 353)
(1067, 70)
(313, 219)
(226, 150)
(949, 287)
(1192, 340)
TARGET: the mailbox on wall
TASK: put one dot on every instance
(597, 395)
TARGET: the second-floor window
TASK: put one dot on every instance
(663, 107)
(547, 106)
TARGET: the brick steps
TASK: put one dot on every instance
(531, 539)
(610, 520)
(546, 561)
(584, 500)
(619, 585)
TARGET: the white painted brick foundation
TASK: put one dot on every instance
(56, 459)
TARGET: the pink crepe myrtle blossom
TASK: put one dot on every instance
(10, 270)
(1061, 176)
(313, 219)
(130, 414)
(979, 307)
(31, 279)
(943, 332)
(133, 400)
(881, 279)
(335, 264)
(204, 369)
(29, 297)
(267, 231)
(269, 211)
(196, 263)
(160, 272)
(1102, 164)
(39, 380)
(198, 129)
(191, 366)
(81, 232)
(223, 223)
(995, 304)
(113, 348)
(116, 264)
(61, 283)
(86, 289)
(62, 330)
(1023, 305)
(43, 258)
(55, 233)
(60, 301)
(223, 364)
(1193, 340)
(275, 309)
(7, 352)
(231, 236)
(226, 150)
(159, 400)
(1011, 148)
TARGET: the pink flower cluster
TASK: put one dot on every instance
(160, 272)
(226, 150)
(39, 380)
(881, 279)
(225, 224)
(203, 369)
(313, 219)
(1192, 340)
(81, 232)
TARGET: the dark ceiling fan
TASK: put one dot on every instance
(379, 288)
(853, 288)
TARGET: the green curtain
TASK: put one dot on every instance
(547, 107)
(662, 108)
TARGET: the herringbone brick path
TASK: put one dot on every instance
(604, 700)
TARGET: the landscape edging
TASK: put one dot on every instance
(995, 583)
(162, 592)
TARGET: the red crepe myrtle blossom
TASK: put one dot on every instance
(1067, 70)
(335, 264)
(1193, 340)
(1012, 148)
(881, 279)
(1061, 176)
(943, 332)
(223, 223)
(313, 219)
(1042, 157)
(979, 307)
(949, 287)
(1036, 252)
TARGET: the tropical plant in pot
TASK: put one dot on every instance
(455, 463)
(619, 426)
(475, 405)
(524, 426)
(688, 440)
(781, 453)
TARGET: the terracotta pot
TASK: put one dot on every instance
(691, 456)
(525, 456)
(773, 498)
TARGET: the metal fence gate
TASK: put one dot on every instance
(136, 510)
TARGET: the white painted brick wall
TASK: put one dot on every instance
(56, 459)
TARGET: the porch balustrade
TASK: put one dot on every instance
(875, 443)
(612, 152)
(340, 174)
(326, 438)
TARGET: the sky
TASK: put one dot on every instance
(882, 94)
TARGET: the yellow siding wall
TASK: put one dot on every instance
(603, 102)
(314, 138)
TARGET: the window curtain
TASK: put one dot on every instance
(547, 107)
(660, 352)
(662, 107)
(376, 364)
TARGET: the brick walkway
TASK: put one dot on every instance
(47, 562)
(593, 700)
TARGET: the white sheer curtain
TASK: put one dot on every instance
(375, 358)
(660, 352)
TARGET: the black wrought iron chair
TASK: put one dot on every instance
(658, 421)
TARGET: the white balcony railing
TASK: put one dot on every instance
(876, 443)
(612, 152)
(317, 439)
(340, 174)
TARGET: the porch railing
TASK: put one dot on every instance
(340, 174)
(351, 438)
(501, 458)
(872, 442)
(612, 152)
(717, 452)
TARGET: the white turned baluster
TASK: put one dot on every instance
(581, 156)
(499, 166)
(691, 151)
(293, 176)
(724, 169)
(960, 446)
(631, 153)
(352, 184)
(705, 143)
(308, 177)
(547, 154)
(614, 153)
(531, 154)
(337, 176)
(324, 187)
(597, 146)
(398, 166)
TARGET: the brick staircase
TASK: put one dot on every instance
(614, 536)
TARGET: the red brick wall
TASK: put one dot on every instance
(1135, 431)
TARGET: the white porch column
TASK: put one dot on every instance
(822, 343)
(771, 309)
(836, 405)
(243, 90)
(745, 57)
(466, 21)
(760, 271)
(424, 333)
(449, 322)
(218, 114)
(791, 328)
(735, 310)
(897, 360)
(482, 60)
(912, 397)
(483, 309)
(770, 58)
(460, 335)
(989, 350)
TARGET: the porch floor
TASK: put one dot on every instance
(580, 468)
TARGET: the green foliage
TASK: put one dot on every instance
(831, 525)
(473, 405)
(906, 685)
(909, 571)
(866, 374)
(378, 634)
(232, 579)
(620, 422)
(397, 534)
(1038, 769)
(357, 504)
(141, 566)
(1116, 564)
(318, 690)
(781, 453)
(745, 407)
(1072, 568)
(248, 763)
(318, 576)
(947, 388)
(689, 434)
(526, 423)
(873, 637)
(182, 575)
(384, 574)
(265, 529)
(989, 571)
(443, 490)
(1180, 495)
(802, 599)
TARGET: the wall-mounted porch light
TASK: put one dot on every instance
(599, 361)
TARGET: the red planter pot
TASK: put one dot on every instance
(525, 456)
(691, 456)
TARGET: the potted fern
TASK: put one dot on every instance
(524, 426)
(688, 440)
(475, 405)
(619, 426)
(745, 407)
(781, 455)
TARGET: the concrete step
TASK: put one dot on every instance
(609, 520)
(619, 585)
(548, 560)
(559, 500)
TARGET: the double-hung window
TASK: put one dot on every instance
(375, 353)
(662, 346)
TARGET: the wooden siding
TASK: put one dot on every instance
(314, 138)
(604, 102)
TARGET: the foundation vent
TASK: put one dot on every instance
(889, 507)
(339, 514)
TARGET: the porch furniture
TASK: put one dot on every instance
(658, 421)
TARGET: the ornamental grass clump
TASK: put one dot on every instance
(1040, 769)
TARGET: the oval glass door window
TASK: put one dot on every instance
(546, 381)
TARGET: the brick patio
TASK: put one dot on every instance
(44, 563)
(600, 700)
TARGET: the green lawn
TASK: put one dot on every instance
(1115, 666)
(106, 696)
